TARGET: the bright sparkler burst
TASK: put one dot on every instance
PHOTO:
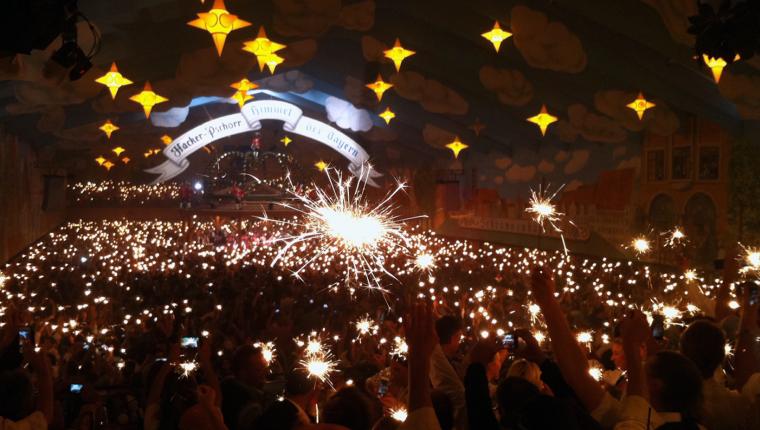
(338, 220)
(675, 237)
(366, 326)
(320, 366)
(399, 414)
(268, 350)
(545, 212)
(751, 259)
(425, 262)
(188, 367)
(641, 245)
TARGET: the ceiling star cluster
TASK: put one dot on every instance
(265, 50)
(219, 23)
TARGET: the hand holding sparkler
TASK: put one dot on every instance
(532, 351)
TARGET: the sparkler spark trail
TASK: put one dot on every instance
(320, 366)
(366, 326)
(340, 221)
(751, 260)
(544, 212)
(268, 350)
(675, 237)
(641, 245)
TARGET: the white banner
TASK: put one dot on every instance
(249, 119)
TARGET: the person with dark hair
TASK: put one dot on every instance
(666, 393)
(302, 392)
(349, 408)
(449, 331)
(443, 375)
(243, 397)
(703, 343)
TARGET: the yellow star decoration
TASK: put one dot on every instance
(118, 150)
(457, 146)
(640, 105)
(113, 80)
(100, 160)
(108, 165)
(286, 141)
(125, 160)
(379, 87)
(543, 119)
(147, 98)
(219, 22)
(321, 165)
(241, 97)
(716, 65)
(244, 85)
(108, 127)
(398, 53)
(387, 115)
(264, 50)
(166, 139)
(497, 35)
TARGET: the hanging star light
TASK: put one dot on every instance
(108, 128)
(125, 160)
(321, 165)
(113, 80)
(397, 54)
(166, 139)
(716, 65)
(640, 105)
(379, 87)
(244, 85)
(286, 141)
(118, 150)
(108, 165)
(100, 160)
(219, 22)
(387, 115)
(241, 97)
(543, 119)
(497, 35)
(147, 98)
(456, 146)
(264, 50)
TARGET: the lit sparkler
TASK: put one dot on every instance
(675, 237)
(641, 245)
(340, 220)
(545, 213)
(398, 414)
(366, 326)
(320, 366)
(188, 367)
(425, 262)
(268, 350)
(751, 260)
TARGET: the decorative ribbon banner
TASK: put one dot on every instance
(249, 119)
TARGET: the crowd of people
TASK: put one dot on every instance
(109, 193)
(202, 324)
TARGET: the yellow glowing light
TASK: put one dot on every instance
(690, 275)
(147, 99)
(641, 245)
(125, 160)
(219, 23)
(108, 165)
(264, 50)
(457, 146)
(716, 65)
(321, 165)
(108, 128)
(398, 53)
(244, 85)
(118, 150)
(113, 80)
(424, 261)
(496, 35)
(241, 97)
(100, 160)
(640, 105)
(286, 141)
(387, 115)
(379, 87)
(166, 139)
(543, 119)
(398, 414)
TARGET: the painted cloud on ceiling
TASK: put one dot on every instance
(660, 119)
(590, 126)
(432, 95)
(346, 116)
(510, 86)
(312, 18)
(293, 81)
(546, 44)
